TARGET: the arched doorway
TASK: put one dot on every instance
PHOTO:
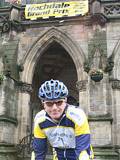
(53, 55)
(54, 63)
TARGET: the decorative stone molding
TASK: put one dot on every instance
(10, 19)
(24, 87)
(106, 117)
(8, 119)
(1, 78)
(109, 64)
(3, 18)
(97, 52)
(112, 10)
(21, 86)
(97, 57)
(81, 85)
(8, 151)
(115, 83)
(95, 8)
(96, 16)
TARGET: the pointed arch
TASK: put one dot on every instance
(42, 43)
(116, 55)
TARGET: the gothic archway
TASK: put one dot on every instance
(54, 63)
(41, 44)
(71, 55)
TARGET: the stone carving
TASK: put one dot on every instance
(3, 19)
(112, 10)
(95, 9)
(97, 57)
(12, 22)
(11, 25)
(24, 87)
(115, 84)
(1, 78)
(96, 60)
(109, 64)
(81, 85)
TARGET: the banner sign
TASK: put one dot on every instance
(56, 9)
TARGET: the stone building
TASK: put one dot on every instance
(65, 48)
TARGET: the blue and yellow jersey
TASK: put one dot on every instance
(69, 137)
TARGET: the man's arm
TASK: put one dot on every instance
(39, 142)
(82, 131)
(40, 148)
(83, 141)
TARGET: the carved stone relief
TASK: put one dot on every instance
(112, 9)
(115, 84)
(97, 57)
(24, 87)
(81, 85)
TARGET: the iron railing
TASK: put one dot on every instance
(24, 148)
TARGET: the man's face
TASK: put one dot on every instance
(55, 108)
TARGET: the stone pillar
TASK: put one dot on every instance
(100, 97)
(96, 99)
(116, 110)
(8, 120)
(101, 119)
(23, 111)
(82, 87)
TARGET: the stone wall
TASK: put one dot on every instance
(90, 45)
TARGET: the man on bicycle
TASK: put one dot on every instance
(63, 125)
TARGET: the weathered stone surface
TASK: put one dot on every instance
(88, 43)
(101, 133)
(7, 152)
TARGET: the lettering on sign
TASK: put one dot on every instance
(56, 9)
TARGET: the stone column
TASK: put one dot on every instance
(82, 86)
(100, 97)
(101, 119)
(116, 110)
(24, 117)
(95, 99)
(8, 120)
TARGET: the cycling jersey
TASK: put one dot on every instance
(69, 137)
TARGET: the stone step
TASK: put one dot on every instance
(99, 155)
(48, 157)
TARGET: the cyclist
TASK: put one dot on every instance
(63, 125)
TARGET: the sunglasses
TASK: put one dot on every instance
(51, 103)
